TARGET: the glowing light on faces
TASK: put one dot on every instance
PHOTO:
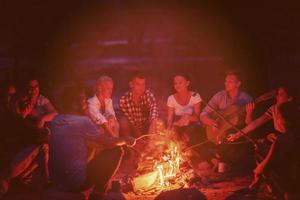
(180, 83)
(138, 85)
(231, 83)
(105, 89)
(33, 88)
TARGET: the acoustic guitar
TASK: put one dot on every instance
(230, 117)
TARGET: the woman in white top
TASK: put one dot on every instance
(183, 106)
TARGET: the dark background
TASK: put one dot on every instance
(63, 41)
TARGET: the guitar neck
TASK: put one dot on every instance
(260, 99)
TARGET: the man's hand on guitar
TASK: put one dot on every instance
(211, 122)
(233, 137)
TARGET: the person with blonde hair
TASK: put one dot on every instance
(100, 106)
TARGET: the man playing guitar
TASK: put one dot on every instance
(223, 100)
(217, 128)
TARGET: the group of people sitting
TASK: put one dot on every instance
(81, 146)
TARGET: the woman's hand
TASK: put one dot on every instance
(183, 121)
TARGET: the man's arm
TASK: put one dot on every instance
(110, 109)
(153, 112)
(204, 115)
(153, 106)
(250, 127)
(125, 108)
(98, 117)
(93, 133)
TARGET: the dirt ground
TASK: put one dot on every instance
(226, 189)
(213, 185)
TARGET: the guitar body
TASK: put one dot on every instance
(230, 118)
(219, 134)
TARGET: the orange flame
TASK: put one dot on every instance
(169, 166)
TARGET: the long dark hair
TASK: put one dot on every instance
(291, 91)
(185, 75)
(291, 114)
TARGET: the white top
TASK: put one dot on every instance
(94, 106)
(186, 109)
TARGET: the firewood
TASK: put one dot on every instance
(144, 181)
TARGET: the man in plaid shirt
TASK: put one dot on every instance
(138, 107)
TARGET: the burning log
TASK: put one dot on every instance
(144, 182)
(161, 166)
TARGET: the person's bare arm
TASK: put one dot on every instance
(107, 128)
(186, 119)
(204, 115)
(24, 106)
(51, 113)
(207, 120)
(250, 127)
(261, 166)
(195, 116)
(170, 117)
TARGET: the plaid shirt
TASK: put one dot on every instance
(141, 114)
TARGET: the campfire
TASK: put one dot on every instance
(163, 165)
(168, 166)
